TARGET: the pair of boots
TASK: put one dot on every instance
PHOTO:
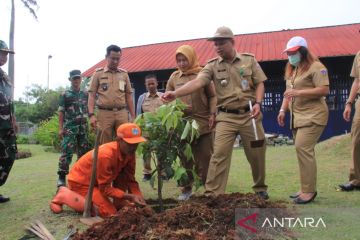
(65, 196)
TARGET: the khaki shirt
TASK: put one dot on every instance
(307, 111)
(110, 87)
(355, 71)
(235, 82)
(198, 107)
(151, 103)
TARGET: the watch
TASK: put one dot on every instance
(349, 102)
(91, 114)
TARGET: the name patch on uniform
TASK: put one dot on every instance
(104, 78)
(221, 70)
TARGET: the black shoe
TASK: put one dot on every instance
(347, 187)
(61, 181)
(263, 194)
(4, 199)
(146, 177)
(295, 195)
(298, 200)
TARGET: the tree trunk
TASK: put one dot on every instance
(11, 46)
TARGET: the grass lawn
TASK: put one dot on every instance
(32, 183)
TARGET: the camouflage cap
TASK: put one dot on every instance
(5, 48)
(222, 33)
(74, 74)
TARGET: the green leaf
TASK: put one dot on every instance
(152, 180)
(188, 152)
(197, 180)
(179, 172)
(185, 133)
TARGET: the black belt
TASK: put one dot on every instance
(111, 109)
(235, 111)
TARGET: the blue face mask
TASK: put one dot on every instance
(294, 59)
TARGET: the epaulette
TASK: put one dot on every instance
(248, 54)
(122, 70)
(213, 59)
(99, 69)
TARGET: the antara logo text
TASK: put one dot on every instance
(289, 222)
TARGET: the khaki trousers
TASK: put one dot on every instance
(202, 149)
(354, 177)
(305, 140)
(228, 126)
(109, 121)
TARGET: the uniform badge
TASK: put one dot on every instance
(122, 85)
(104, 86)
(241, 72)
(135, 131)
(323, 71)
(224, 83)
(244, 84)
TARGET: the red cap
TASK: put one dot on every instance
(130, 133)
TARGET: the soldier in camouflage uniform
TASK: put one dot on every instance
(7, 122)
(73, 125)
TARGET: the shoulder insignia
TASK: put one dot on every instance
(99, 69)
(212, 60)
(122, 70)
(248, 54)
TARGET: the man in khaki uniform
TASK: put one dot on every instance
(354, 176)
(238, 78)
(111, 88)
(149, 102)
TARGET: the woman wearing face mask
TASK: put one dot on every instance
(201, 106)
(307, 84)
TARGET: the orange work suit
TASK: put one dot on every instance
(115, 175)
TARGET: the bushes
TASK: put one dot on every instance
(48, 134)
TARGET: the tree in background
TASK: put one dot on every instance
(29, 4)
(40, 104)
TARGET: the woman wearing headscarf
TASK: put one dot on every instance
(307, 85)
(201, 106)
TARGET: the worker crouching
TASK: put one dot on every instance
(115, 184)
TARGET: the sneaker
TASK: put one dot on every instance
(184, 196)
(146, 177)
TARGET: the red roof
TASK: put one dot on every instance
(341, 40)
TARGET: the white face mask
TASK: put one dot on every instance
(295, 59)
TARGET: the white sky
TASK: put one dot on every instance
(77, 32)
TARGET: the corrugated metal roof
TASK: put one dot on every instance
(340, 40)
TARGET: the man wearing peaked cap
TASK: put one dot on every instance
(238, 79)
(8, 125)
(73, 126)
(115, 184)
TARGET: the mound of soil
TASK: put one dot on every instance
(199, 218)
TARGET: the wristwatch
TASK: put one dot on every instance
(91, 114)
(349, 102)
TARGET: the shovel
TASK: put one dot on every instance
(257, 143)
(86, 218)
